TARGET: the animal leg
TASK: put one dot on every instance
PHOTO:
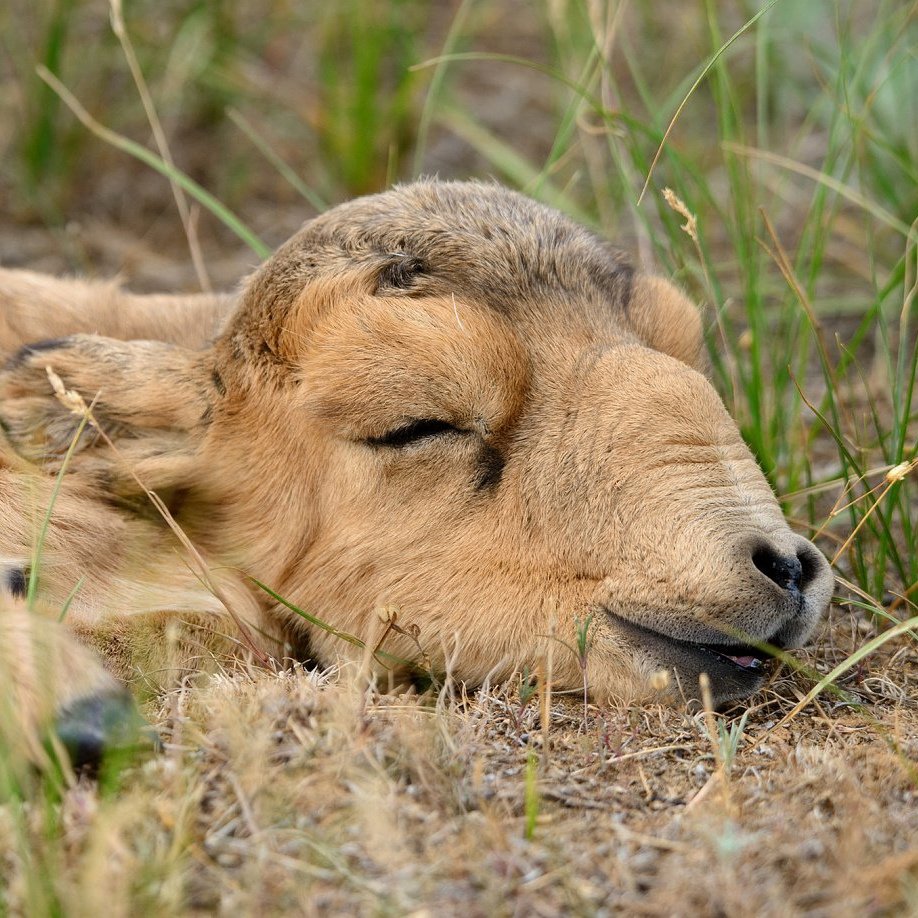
(56, 685)
(36, 307)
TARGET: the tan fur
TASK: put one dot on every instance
(49, 307)
(593, 470)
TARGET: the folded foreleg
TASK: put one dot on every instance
(37, 307)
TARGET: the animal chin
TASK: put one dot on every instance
(735, 669)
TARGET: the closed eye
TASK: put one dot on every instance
(414, 431)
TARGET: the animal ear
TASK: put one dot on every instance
(665, 319)
(151, 399)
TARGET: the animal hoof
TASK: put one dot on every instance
(98, 728)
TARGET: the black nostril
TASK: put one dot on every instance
(786, 571)
(811, 561)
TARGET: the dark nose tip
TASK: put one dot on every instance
(787, 571)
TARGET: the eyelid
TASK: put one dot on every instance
(414, 431)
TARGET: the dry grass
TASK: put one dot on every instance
(301, 792)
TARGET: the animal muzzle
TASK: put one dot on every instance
(761, 593)
(794, 575)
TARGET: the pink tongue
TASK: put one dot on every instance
(743, 661)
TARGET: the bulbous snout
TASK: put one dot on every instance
(701, 568)
(793, 573)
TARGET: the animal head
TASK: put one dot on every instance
(451, 400)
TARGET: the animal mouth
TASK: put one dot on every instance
(742, 656)
(742, 666)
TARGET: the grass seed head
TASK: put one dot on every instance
(69, 398)
(898, 472)
(690, 227)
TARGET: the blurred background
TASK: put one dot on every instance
(793, 165)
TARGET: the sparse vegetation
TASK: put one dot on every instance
(793, 177)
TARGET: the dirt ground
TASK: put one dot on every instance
(637, 812)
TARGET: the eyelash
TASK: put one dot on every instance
(414, 432)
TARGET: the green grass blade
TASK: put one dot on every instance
(343, 635)
(701, 76)
(289, 174)
(435, 89)
(32, 587)
(906, 627)
(126, 145)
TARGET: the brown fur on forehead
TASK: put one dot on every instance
(512, 245)
(373, 361)
(475, 239)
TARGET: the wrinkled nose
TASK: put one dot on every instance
(791, 568)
